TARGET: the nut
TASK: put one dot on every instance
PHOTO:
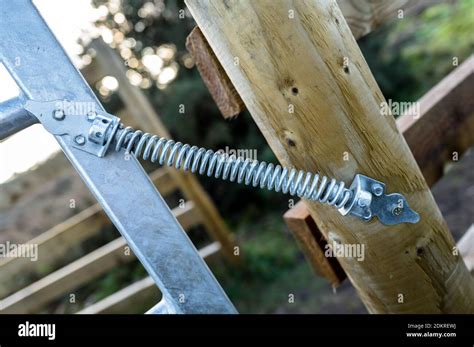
(59, 114)
(80, 140)
(377, 189)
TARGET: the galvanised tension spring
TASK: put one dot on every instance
(365, 197)
(96, 132)
(232, 168)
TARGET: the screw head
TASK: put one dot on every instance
(377, 189)
(367, 215)
(396, 211)
(91, 115)
(362, 203)
(80, 140)
(59, 114)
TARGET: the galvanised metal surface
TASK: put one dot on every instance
(44, 73)
(13, 117)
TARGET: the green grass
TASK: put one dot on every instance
(272, 269)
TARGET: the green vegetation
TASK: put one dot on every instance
(409, 56)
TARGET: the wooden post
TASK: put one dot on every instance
(444, 129)
(362, 16)
(302, 76)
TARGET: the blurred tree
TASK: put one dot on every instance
(411, 55)
(150, 36)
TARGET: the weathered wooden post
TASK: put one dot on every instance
(299, 71)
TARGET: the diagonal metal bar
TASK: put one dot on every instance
(43, 71)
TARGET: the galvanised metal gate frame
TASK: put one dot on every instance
(45, 74)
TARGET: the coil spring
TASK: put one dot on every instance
(221, 165)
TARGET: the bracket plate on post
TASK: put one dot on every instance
(369, 199)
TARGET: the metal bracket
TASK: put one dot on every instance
(92, 132)
(369, 199)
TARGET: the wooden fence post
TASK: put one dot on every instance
(444, 128)
(302, 76)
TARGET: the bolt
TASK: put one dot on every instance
(396, 211)
(58, 114)
(362, 203)
(377, 189)
(367, 215)
(91, 115)
(80, 140)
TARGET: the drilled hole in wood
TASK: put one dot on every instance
(294, 91)
(419, 251)
(290, 142)
(346, 69)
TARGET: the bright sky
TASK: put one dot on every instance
(67, 19)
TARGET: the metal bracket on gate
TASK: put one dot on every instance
(92, 133)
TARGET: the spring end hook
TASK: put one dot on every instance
(369, 200)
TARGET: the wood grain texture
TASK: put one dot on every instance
(362, 16)
(444, 126)
(337, 112)
(213, 75)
